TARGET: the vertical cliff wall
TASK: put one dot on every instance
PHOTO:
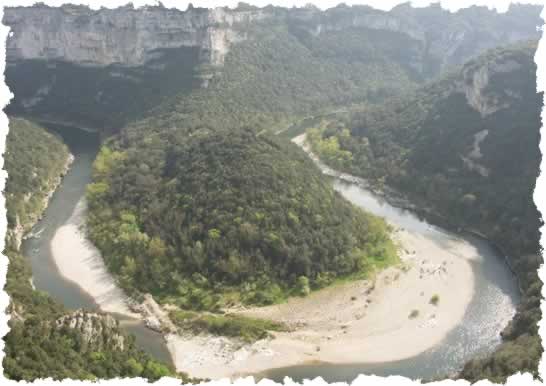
(104, 67)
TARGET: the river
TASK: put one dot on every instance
(493, 304)
(46, 277)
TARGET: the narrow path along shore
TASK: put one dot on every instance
(390, 318)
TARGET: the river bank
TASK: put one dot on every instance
(353, 322)
(397, 199)
(62, 210)
(360, 321)
(23, 231)
(356, 322)
(81, 262)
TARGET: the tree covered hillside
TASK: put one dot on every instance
(456, 144)
(33, 170)
(212, 212)
(303, 61)
(40, 342)
(275, 76)
(465, 150)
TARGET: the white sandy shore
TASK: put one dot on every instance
(79, 261)
(350, 323)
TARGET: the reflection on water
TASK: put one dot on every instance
(46, 277)
(493, 305)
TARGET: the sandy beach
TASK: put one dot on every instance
(78, 260)
(361, 321)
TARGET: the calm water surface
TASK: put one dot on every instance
(84, 146)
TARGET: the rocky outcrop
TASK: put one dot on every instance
(441, 39)
(97, 330)
(123, 36)
(120, 63)
(475, 82)
(340, 18)
(154, 316)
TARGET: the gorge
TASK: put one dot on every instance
(186, 210)
(491, 300)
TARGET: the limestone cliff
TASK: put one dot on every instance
(475, 82)
(493, 81)
(440, 38)
(98, 331)
(133, 37)
(122, 36)
(106, 67)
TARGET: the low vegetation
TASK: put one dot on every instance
(247, 329)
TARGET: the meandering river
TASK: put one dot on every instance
(493, 304)
(46, 277)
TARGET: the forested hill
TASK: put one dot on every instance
(465, 149)
(265, 64)
(45, 340)
(461, 140)
(210, 217)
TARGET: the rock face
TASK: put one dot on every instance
(155, 317)
(134, 37)
(121, 62)
(116, 62)
(122, 36)
(476, 81)
(442, 39)
(97, 330)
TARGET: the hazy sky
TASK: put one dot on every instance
(453, 5)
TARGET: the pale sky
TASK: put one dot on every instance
(453, 5)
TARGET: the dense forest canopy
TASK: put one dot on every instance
(423, 145)
(274, 77)
(457, 150)
(208, 211)
(38, 345)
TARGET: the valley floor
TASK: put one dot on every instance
(360, 321)
(388, 318)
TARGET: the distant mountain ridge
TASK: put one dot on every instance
(132, 37)
(126, 60)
